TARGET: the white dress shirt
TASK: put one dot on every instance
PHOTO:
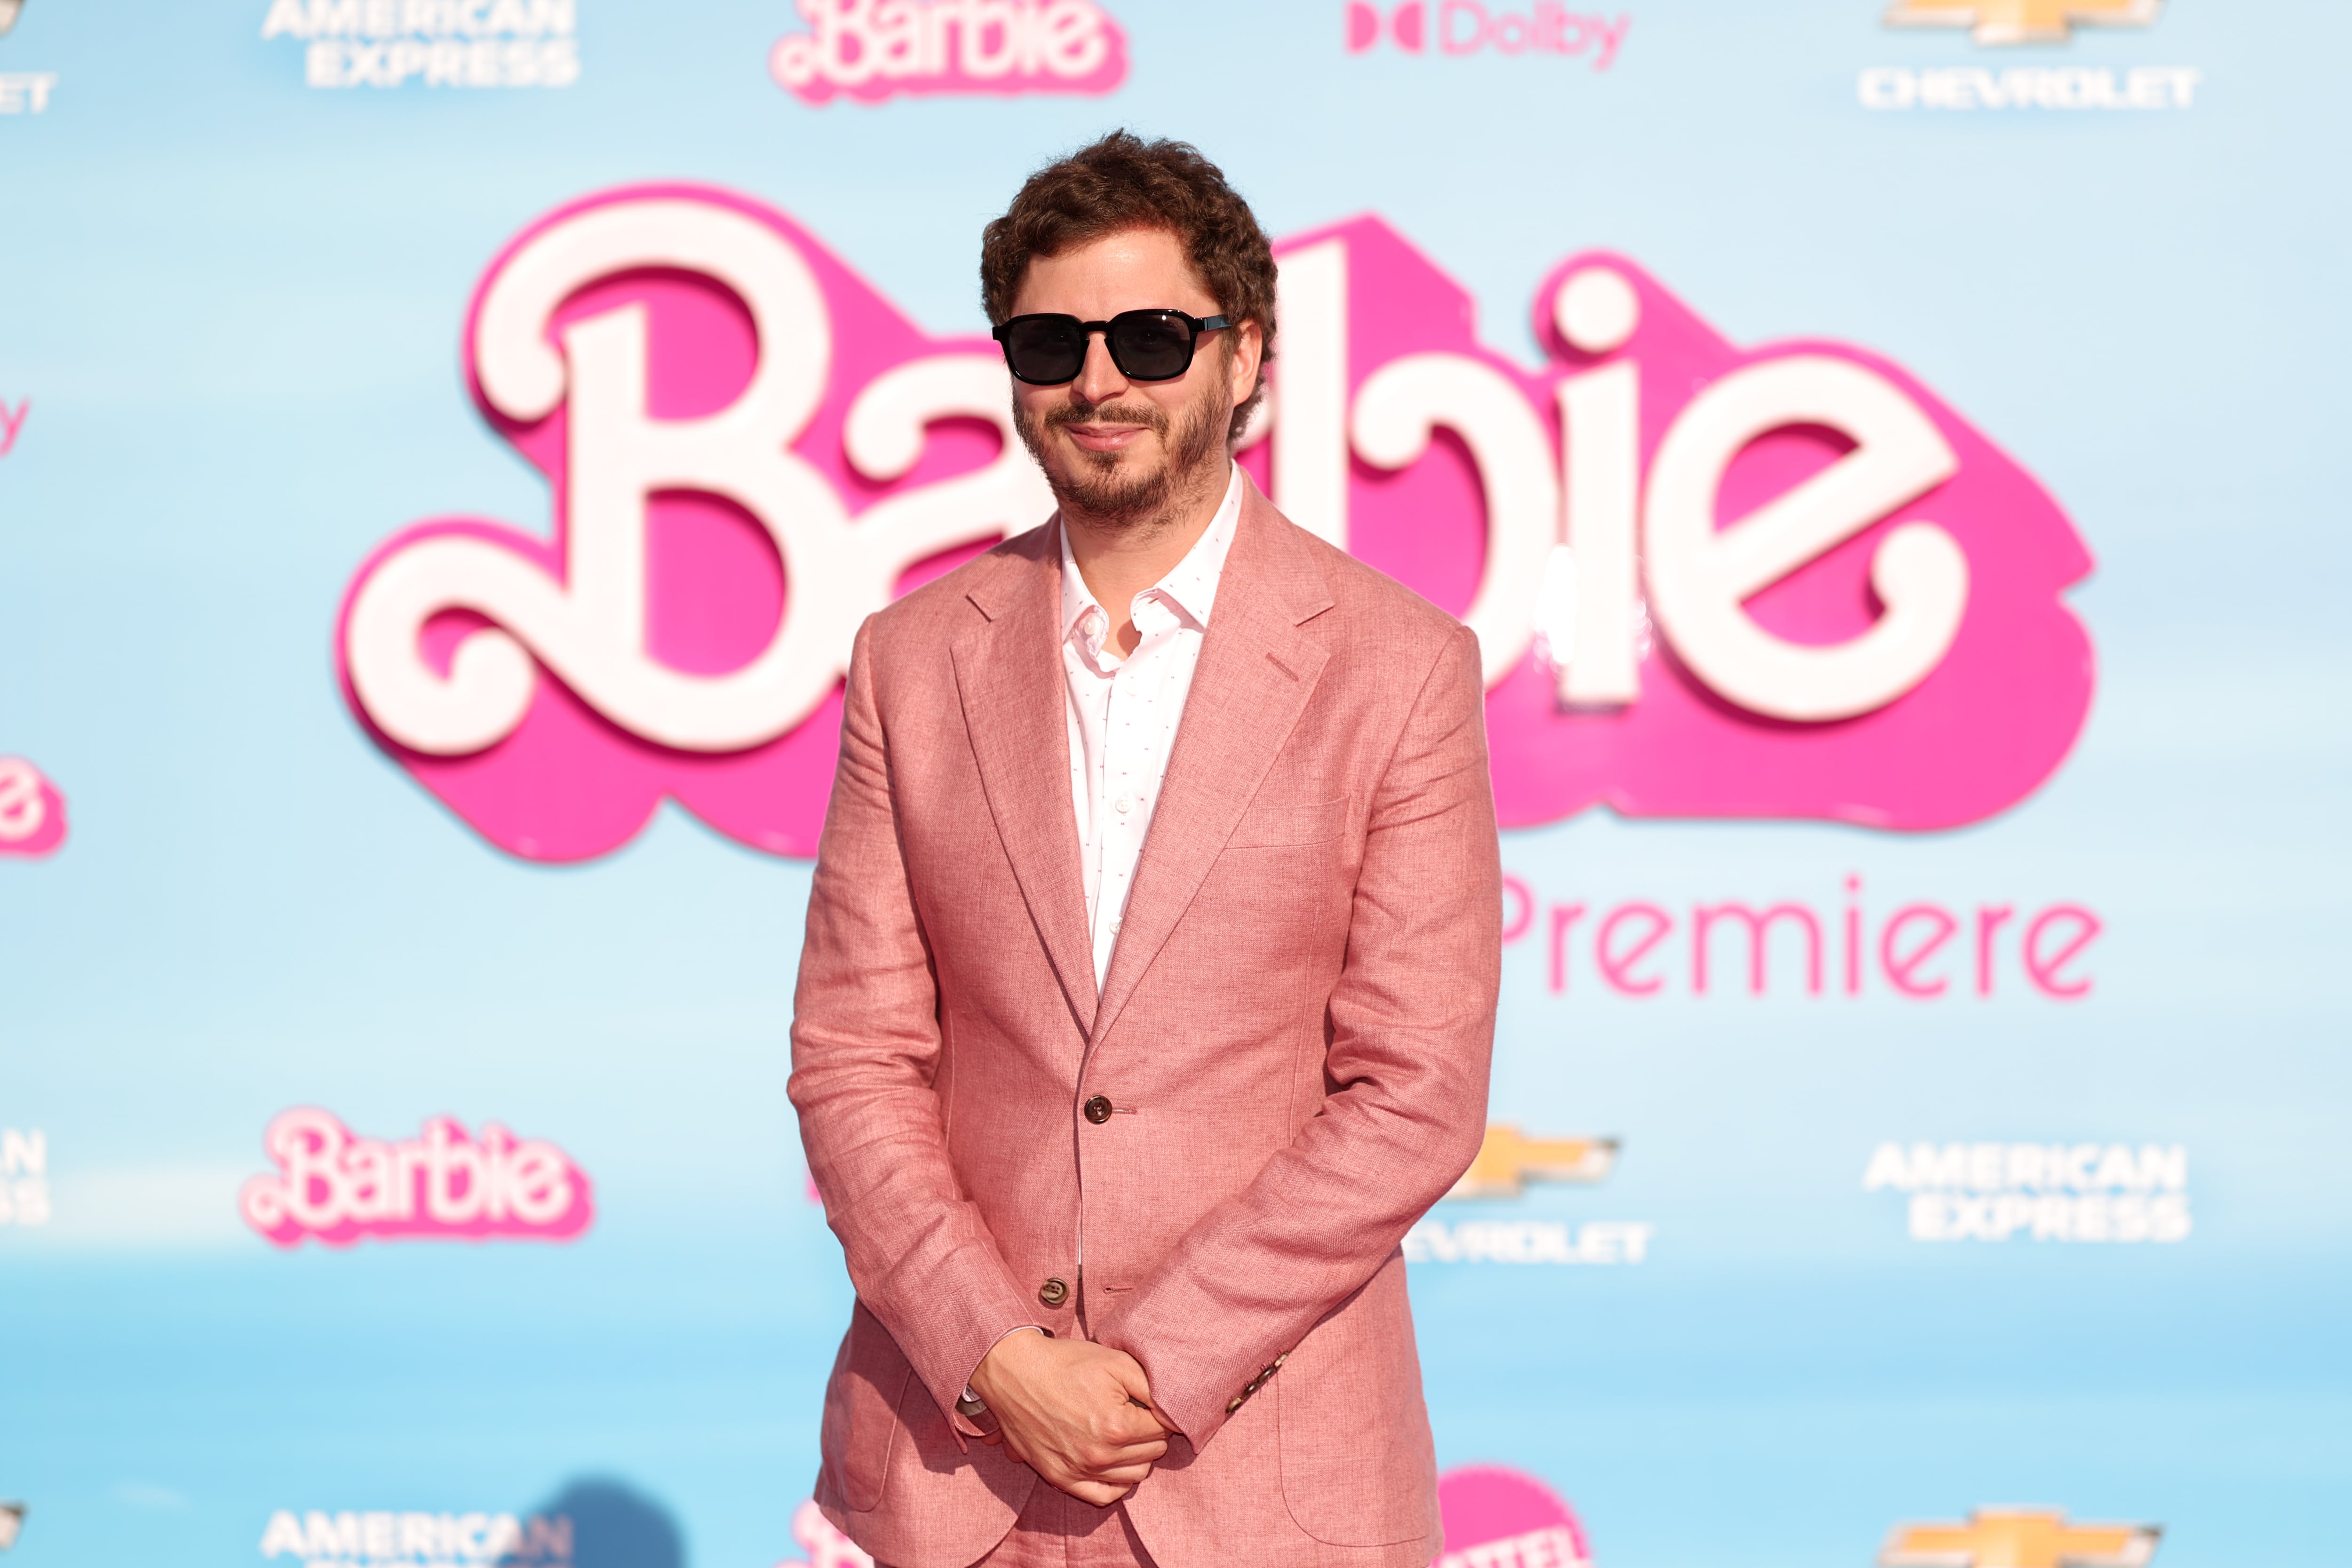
(1123, 712)
(1122, 716)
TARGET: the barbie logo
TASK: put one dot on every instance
(336, 1188)
(873, 48)
(1707, 580)
(32, 812)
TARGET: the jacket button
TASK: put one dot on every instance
(1053, 1292)
(1098, 1110)
(1231, 1405)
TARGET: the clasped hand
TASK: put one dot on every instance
(1077, 1413)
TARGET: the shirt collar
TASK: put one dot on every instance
(1190, 588)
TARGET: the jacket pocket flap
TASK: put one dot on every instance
(1270, 826)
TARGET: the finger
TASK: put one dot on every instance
(1132, 1424)
(1145, 1433)
(1127, 1451)
(1129, 1373)
(1093, 1489)
(1120, 1475)
(992, 1439)
(1100, 1460)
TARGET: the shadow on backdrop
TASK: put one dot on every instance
(605, 1524)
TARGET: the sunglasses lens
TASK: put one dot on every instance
(1047, 349)
(1151, 345)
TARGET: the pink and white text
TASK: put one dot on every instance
(1707, 581)
(334, 1187)
(871, 49)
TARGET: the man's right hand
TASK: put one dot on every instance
(1075, 1412)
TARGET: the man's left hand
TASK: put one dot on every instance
(1078, 1413)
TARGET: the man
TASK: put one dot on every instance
(1151, 961)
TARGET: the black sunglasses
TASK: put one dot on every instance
(1146, 345)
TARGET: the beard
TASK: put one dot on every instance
(1108, 489)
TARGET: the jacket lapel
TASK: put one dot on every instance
(1009, 682)
(1258, 669)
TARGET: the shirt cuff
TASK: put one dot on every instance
(971, 1406)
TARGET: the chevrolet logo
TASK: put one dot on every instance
(2022, 21)
(1507, 1163)
(2019, 1538)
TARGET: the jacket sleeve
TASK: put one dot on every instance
(1411, 1025)
(865, 1057)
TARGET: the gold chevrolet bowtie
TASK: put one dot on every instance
(2022, 21)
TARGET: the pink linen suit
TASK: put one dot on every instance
(1285, 1066)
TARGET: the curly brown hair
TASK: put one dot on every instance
(1123, 181)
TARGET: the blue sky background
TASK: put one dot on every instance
(235, 304)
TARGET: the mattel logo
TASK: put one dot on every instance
(337, 1188)
(1468, 27)
(1498, 1518)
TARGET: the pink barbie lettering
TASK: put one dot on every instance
(334, 1187)
(872, 50)
(1707, 580)
(32, 812)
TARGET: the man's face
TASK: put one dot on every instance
(1113, 449)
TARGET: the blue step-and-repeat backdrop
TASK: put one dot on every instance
(1891, 453)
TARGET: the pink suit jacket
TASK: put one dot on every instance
(1294, 1036)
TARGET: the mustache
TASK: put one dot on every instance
(1149, 416)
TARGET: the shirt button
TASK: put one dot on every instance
(1114, 924)
(1122, 803)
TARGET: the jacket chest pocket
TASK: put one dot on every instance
(1285, 825)
(1280, 888)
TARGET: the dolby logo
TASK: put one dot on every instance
(1472, 26)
